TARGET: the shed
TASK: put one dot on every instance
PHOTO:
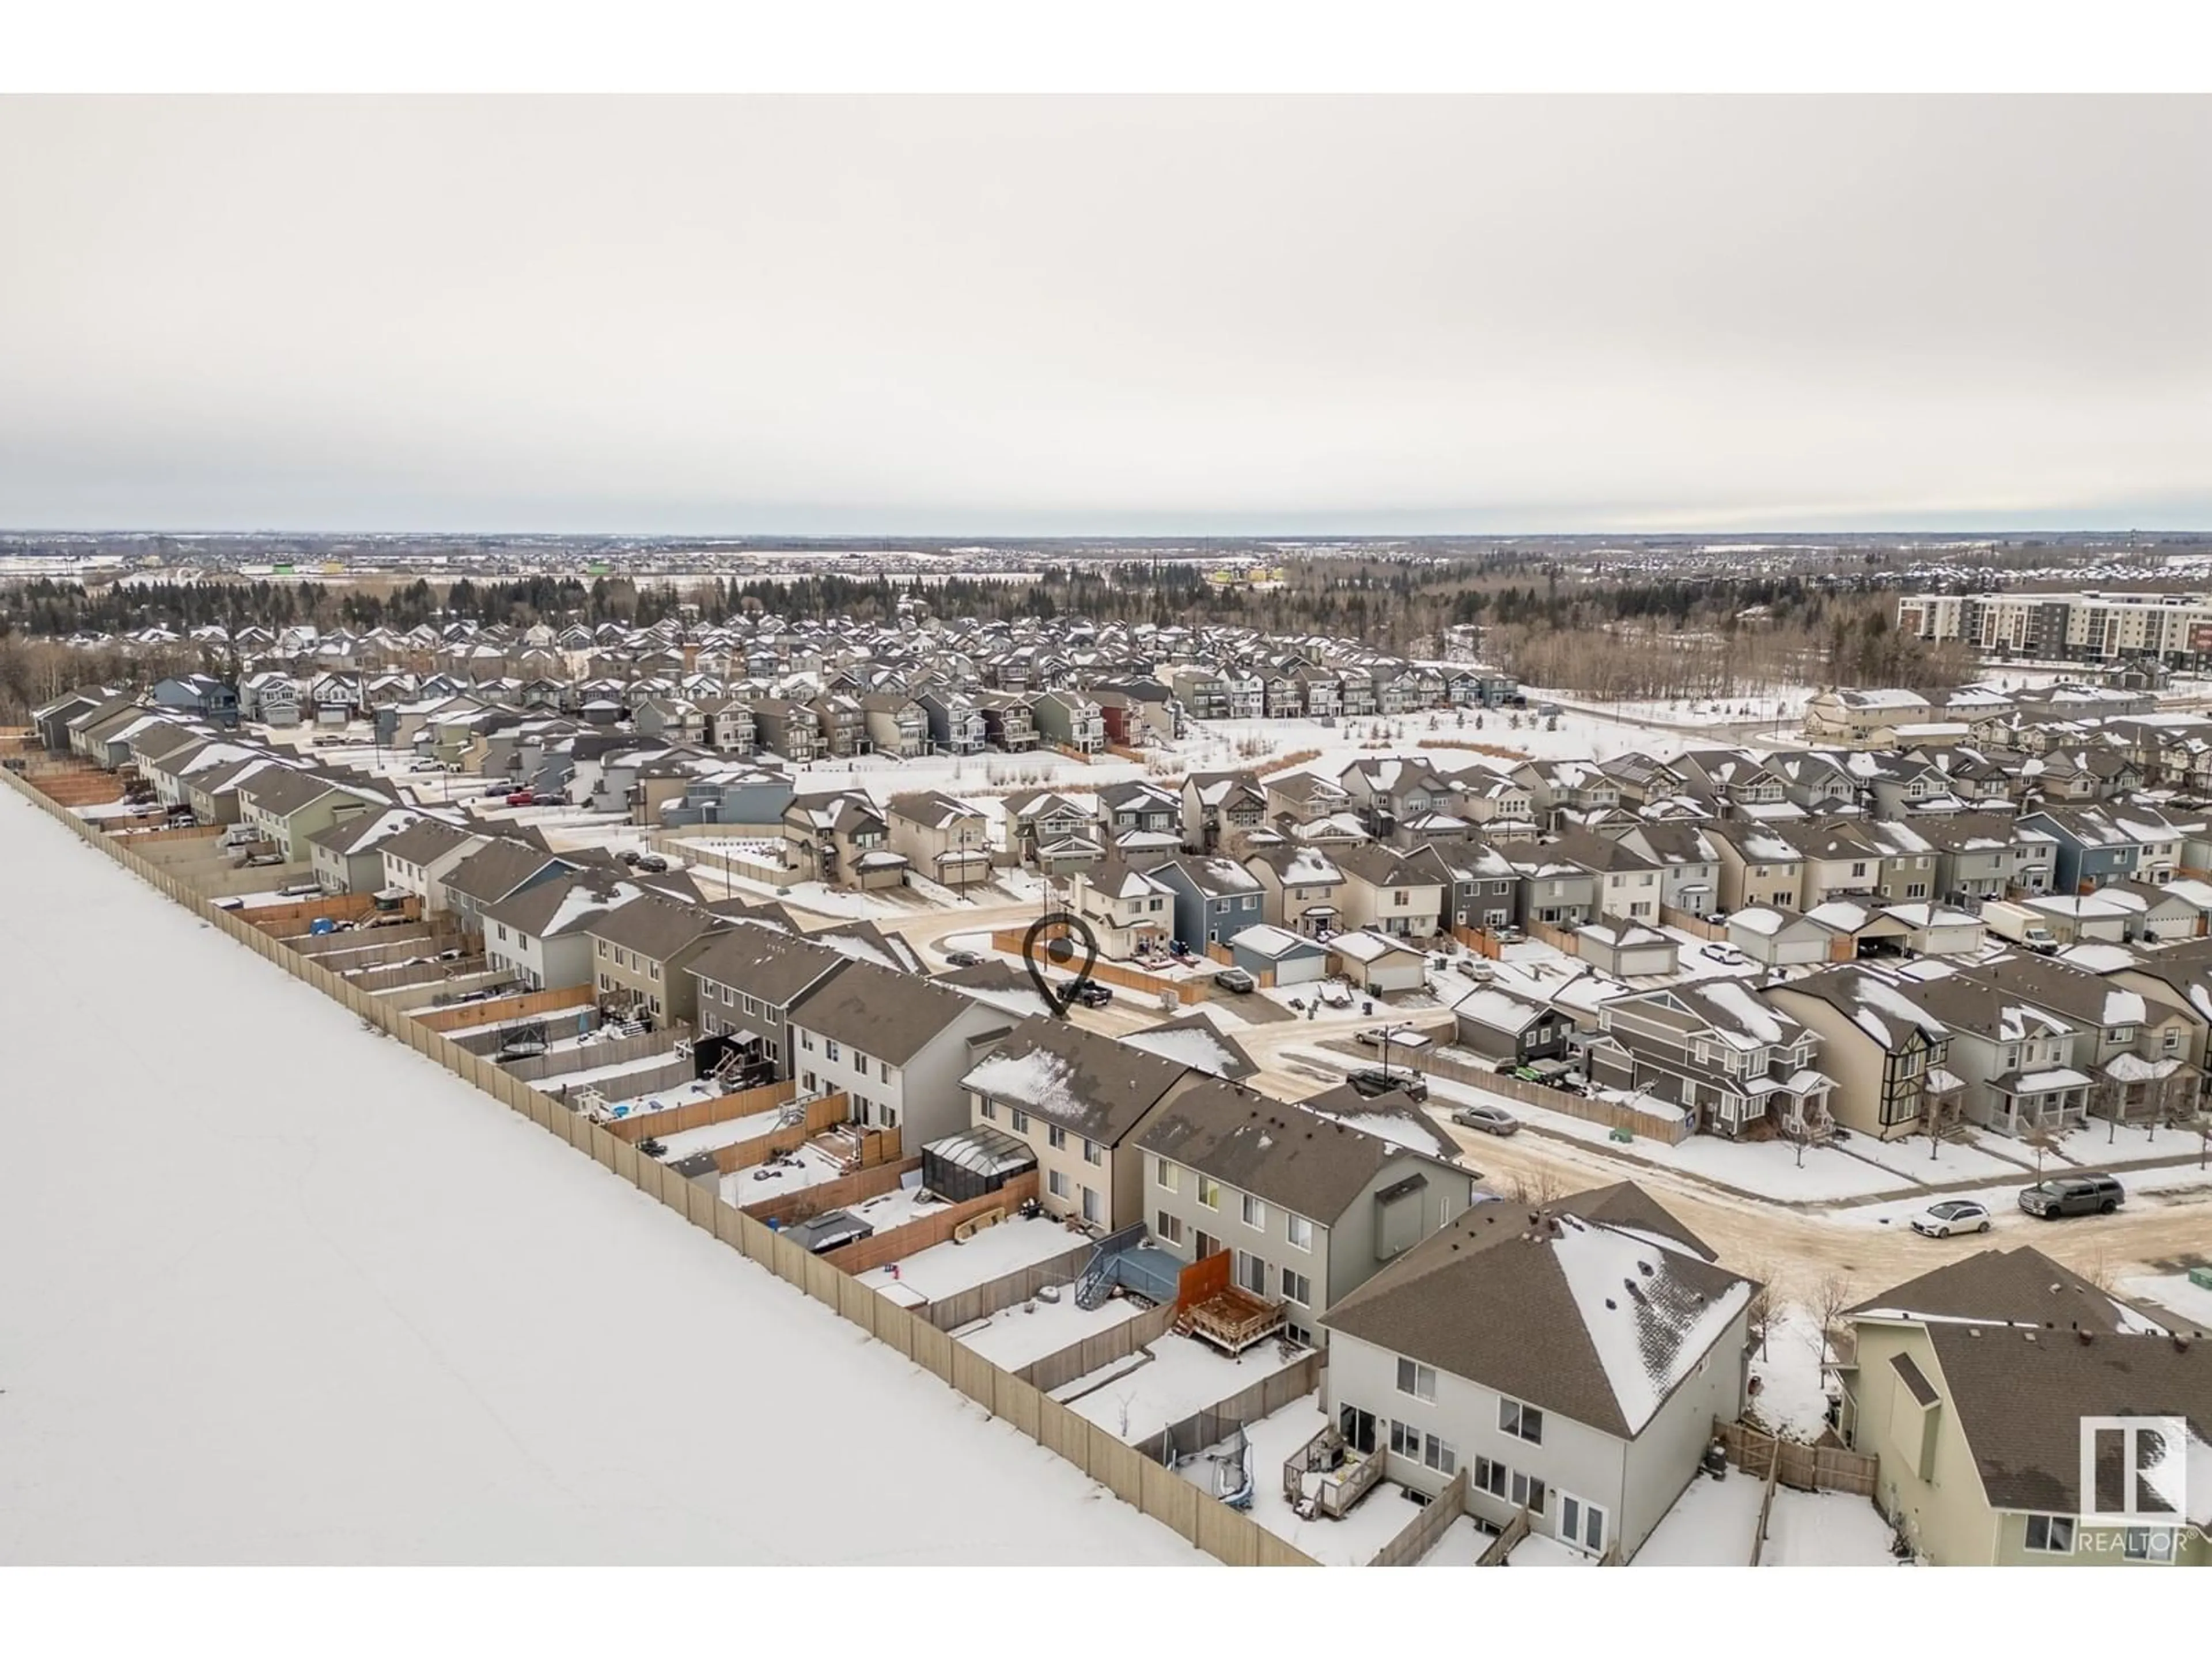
(1377, 963)
(1626, 949)
(832, 1229)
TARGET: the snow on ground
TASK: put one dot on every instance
(2173, 1291)
(1014, 1337)
(1008, 1248)
(1137, 1397)
(1793, 1398)
(809, 1166)
(1351, 1542)
(351, 1322)
(1710, 1525)
(1909, 1159)
(1462, 1546)
(2106, 1145)
(1541, 1550)
(689, 1143)
(882, 776)
(1824, 1529)
(2181, 1184)
(895, 1208)
(1769, 1169)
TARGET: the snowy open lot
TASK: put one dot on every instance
(1792, 1399)
(1824, 1529)
(355, 1319)
(1710, 1526)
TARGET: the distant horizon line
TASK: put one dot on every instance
(984, 539)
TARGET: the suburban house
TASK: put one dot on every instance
(749, 979)
(418, 859)
(1069, 720)
(946, 839)
(1077, 1100)
(896, 1045)
(1275, 955)
(1052, 832)
(540, 935)
(1759, 866)
(1387, 890)
(641, 955)
(1981, 856)
(489, 873)
(2134, 1044)
(1972, 1384)
(1555, 891)
(290, 807)
(203, 696)
(1884, 1049)
(1218, 807)
(1298, 888)
(1739, 1066)
(349, 856)
(1572, 1360)
(1310, 1207)
(1129, 911)
(1500, 1023)
(897, 724)
(842, 840)
(1215, 897)
(2097, 845)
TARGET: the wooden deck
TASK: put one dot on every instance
(1232, 1319)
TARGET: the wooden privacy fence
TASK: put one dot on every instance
(936, 1228)
(1226, 1535)
(338, 907)
(1107, 973)
(1429, 1525)
(1099, 1349)
(1217, 1422)
(841, 1193)
(1502, 1546)
(1648, 1125)
(704, 1114)
(1806, 1468)
(965, 1307)
(529, 1006)
(826, 1112)
(413, 934)
(1688, 923)
(607, 1051)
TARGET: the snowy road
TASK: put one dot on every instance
(273, 1289)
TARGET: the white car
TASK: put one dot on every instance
(1952, 1215)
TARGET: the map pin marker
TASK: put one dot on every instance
(1056, 931)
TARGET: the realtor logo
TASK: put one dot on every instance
(2134, 1471)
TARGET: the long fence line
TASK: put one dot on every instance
(1227, 1534)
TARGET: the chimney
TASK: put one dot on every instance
(2087, 1337)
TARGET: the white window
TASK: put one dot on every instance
(1018, 1121)
(2147, 1544)
(1209, 1192)
(1057, 1184)
(1255, 1212)
(1297, 1288)
(2050, 1535)
(1093, 1211)
(828, 1047)
(1406, 1441)
(1301, 1231)
(1492, 1477)
(1252, 1273)
(1523, 1422)
(2121, 1034)
(1528, 1493)
(1166, 1175)
(1439, 1454)
(1170, 1228)
(1093, 1153)
(1055, 1137)
(987, 1108)
(806, 1041)
(1417, 1380)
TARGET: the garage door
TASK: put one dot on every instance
(1300, 972)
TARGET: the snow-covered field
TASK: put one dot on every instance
(359, 1314)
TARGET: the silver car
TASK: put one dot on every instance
(1491, 1120)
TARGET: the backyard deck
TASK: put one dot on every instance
(1232, 1320)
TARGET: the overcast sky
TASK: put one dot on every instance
(1001, 317)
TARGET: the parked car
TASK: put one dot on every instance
(631, 855)
(2076, 1194)
(528, 798)
(1952, 1215)
(1721, 953)
(1491, 1120)
(1374, 1080)
(653, 864)
(963, 958)
(426, 765)
(1091, 994)
(1236, 980)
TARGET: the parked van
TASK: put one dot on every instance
(2076, 1194)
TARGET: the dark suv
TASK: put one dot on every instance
(1374, 1081)
(2079, 1194)
(1091, 994)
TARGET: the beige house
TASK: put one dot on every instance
(1970, 1385)
(1127, 910)
(944, 840)
(1077, 1101)
(1757, 866)
(290, 808)
(641, 951)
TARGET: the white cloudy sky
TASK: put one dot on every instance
(1008, 316)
